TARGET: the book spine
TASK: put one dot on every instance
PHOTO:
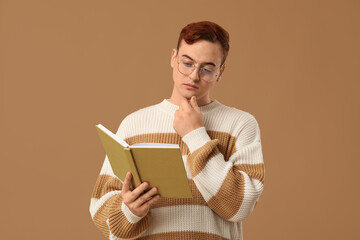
(136, 180)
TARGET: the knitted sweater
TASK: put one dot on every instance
(225, 169)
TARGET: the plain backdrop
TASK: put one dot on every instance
(66, 66)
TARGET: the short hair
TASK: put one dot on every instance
(205, 30)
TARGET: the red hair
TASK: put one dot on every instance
(208, 31)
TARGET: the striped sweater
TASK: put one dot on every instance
(225, 169)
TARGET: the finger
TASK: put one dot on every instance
(176, 114)
(150, 193)
(139, 190)
(126, 184)
(194, 104)
(145, 197)
(150, 203)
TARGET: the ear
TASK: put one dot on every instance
(221, 72)
(173, 57)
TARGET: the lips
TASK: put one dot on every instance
(191, 86)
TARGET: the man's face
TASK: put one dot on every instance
(203, 54)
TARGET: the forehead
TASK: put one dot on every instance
(202, 51)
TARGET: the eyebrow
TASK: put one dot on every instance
(205, 63)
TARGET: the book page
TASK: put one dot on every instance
(155, 145)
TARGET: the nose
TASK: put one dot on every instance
(195, 74)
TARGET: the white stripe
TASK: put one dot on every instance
(152, 124)
(158, 121)
(251, 154)
(226, 119)
(252, 191)
(189, 218)
(187, 169)
(130, 216)
(96, 204)
(213, 176)
(106, 168)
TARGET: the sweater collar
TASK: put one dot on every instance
(171, 107)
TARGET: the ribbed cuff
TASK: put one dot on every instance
(131, 217)
(196, 139)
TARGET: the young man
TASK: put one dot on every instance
(220, 145)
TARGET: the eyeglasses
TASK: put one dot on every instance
(187, 66)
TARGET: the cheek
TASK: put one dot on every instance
(211, 86)
(177, 77)
(174, 76)
(205, 87)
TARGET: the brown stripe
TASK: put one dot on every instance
(105, 184)
(119, 225)
(227, 202)
(101, 216)
(256, 171)
(183, 235)
(198, 159)
(226, 143)
(196, 200)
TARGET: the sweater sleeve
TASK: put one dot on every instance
(109, 213)
(231, 187)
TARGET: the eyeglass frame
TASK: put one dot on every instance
(200, 69)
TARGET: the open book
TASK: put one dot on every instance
(159, 164)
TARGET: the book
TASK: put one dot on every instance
(159, 164)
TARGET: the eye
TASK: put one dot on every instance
(187, 64)
(207, 70)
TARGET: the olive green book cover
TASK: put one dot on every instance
(159, 164)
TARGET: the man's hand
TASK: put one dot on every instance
(188, 117)
(137, 201)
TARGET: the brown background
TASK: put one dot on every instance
(68, 65)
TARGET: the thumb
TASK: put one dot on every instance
(194, 103)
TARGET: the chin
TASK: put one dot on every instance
(188, 96)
